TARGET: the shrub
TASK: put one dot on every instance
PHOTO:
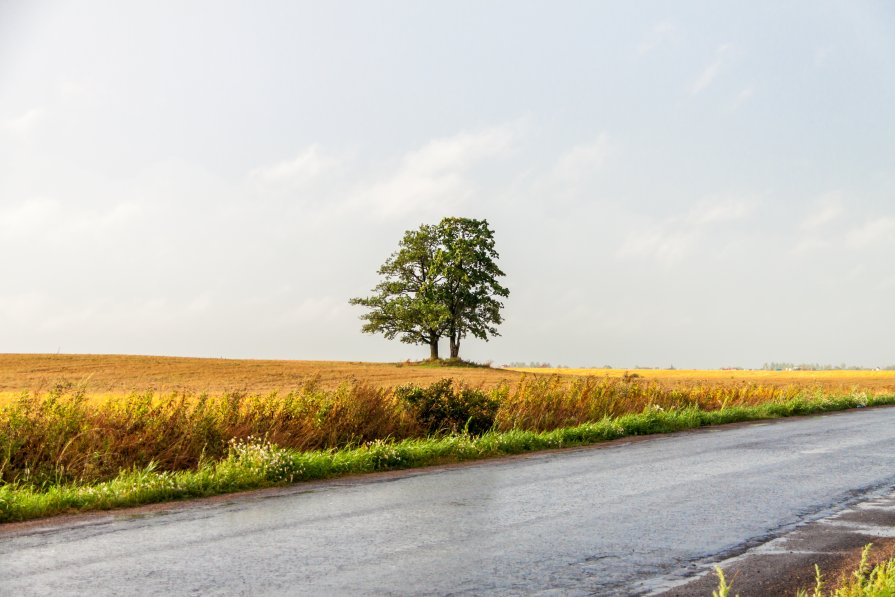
(441, 408)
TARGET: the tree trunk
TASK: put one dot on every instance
(433, 348)
(455, 348)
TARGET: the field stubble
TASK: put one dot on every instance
(114, 374)
(124, 373)
(835, 380)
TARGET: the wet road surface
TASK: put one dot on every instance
(621, 519)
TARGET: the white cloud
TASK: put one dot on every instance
(663, 243)
(878, 231)
(73, 91)
(806, 246)
(409, 192)
(582, 160)
(430, 180)
(46, 312)
(742, 98)
(456, 153)
(24, 123)
(28, 219)
(660, 34)
(22, 309)
(821, 56)
(814, 229)
(726, 211)
(578, 173)
(39, 311)
(298, 171)
(829, 211)
(710, 72)
(200, 303)
(52, 221)
(676, 238)
(434, 178)
(316, 310)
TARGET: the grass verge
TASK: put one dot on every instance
(255, 463)
(865, 581)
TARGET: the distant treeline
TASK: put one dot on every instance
(772, 366)
(819, 367)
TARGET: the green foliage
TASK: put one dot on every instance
(407, 302)
(441, 408)
(442, 281)
(467, 261)
(723, 586)
(449, 363)
(865, 581)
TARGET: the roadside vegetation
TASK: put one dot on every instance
(867, 580)
(66, 449)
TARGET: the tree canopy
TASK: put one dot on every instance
(442, 281)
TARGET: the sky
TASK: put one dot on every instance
(688, 184)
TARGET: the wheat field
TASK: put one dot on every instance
(828, 380)
(111, 374)
(114, 374)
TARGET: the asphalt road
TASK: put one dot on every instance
(621, 519)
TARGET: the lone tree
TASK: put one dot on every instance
(442, 281)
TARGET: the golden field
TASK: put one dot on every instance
(118, 374)
(124, 373)
(86, 418)
(828, 380)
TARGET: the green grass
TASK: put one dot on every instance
(256, 463)
(449, 362)
(724, 587)
(865, 581)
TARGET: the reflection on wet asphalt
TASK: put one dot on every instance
(605, 521)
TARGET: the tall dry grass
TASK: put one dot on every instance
(543, 403)
(64, 435)
(68, 435)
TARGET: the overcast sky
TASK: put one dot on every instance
(697, 184)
